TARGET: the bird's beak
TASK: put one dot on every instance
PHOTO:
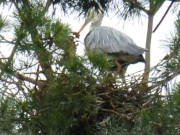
(85, 23)
(77, 33)
(89, 18)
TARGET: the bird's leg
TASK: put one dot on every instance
(122, 75)
(119, 68)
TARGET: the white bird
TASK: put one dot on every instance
(116, 44)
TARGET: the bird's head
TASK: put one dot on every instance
(94, 15)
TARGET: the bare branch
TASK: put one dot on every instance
(163, 16)
(13, 120)
(3, 40)
(117, 113)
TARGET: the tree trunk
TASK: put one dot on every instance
(148, 46)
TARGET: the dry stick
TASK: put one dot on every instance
(3, 40)
(117, 113)
(14, 120)
(164, 16)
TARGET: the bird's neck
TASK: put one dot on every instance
(96, 21)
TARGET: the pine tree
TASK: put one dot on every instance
(47, 89)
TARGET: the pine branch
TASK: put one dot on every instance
(23, 78)
(31, 80)
(40, 50)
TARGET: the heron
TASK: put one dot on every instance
(116, 44)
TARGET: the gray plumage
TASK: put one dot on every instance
(117, 44)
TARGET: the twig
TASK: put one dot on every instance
(5, 40)
(14, 119)
(117, 113)
(164, 16)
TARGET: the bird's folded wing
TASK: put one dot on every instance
(109, 40)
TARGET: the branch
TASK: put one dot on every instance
(13, 120)
(12, 53)
(163, 16)
(5, 40)
(162, 82)
(117, 113)
(25, 78)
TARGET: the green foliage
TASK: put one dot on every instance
(173, 63)
(8, 112)
(132, 9)
(60, 32)
(83, 6)
(100, 61)
(3, 23)
(176, 97)
(21, 39)
(155, 5)
(47, 89)
(7, 68)
(69, 101)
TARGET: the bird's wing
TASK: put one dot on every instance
(109, 40)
